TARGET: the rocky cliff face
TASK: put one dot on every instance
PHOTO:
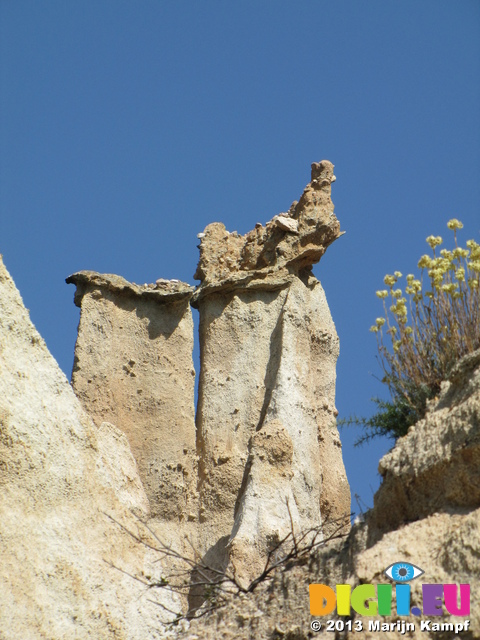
(436, 467)
(264, 452)
(263, 456)
(62, 480)
(427, 512)
(268, 350)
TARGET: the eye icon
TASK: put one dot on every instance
(403, 571)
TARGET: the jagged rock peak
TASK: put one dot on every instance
(169, 290)
(289, 242)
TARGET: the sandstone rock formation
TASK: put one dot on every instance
(268, 350)
(436, 466)
(427, 512)
(288, 243)
(59, 477)
(268, 353)
(133, 367)
(263, 457)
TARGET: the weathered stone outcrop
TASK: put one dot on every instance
(287, 244)
(436, 466)
(263, 456)
(268, 349)
(133, 367)
(268, 451)
(441, 536)
(268, 354)
(59, 477)
(427, 510)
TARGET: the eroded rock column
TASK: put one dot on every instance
(268, 357)
(133, 367)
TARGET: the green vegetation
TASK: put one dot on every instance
(420, 352)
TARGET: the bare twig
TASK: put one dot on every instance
(219, 585)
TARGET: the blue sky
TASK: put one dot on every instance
(127, 127)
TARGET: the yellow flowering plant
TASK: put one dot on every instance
(425, 330)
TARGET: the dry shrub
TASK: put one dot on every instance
(428, 329)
